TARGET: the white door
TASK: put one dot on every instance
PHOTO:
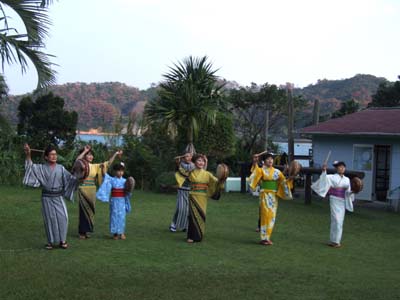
(363, 160)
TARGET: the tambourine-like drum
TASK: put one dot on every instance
(294, 168)
(356, 185)
(222, 172)
(80, 169)
(129, 185)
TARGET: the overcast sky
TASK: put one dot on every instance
(135, 41)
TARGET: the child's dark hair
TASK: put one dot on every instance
(48, 149)
(119, 167)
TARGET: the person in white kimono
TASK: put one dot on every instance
(56, 183)
(338, 187)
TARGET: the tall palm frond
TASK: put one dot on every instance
(188, 97)
(17, 48)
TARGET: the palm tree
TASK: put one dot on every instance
(21, 48)
(189, 97)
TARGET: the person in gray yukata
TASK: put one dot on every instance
(56, 183)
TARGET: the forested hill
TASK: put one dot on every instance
(98, 104)
(331, 93)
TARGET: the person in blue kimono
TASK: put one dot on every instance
(115, 187)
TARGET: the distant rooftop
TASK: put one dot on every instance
(372, 121)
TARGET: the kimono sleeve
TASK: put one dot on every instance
(33, 176)
(349, 198)
(322, 185)
(214, 187)
(179, 179)
(70, 184)
(103, 194)
(128, 206)
(183, 172)
(285, 187)
(255, 177)
(101, 171)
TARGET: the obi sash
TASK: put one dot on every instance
(46, 193)
(271, 185)
(337, 192)
(199, 187)
(88, 181)
(117, 193)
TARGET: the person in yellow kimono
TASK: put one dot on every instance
(202, 185)
(273, 185)
(87, 190)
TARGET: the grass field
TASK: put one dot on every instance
(229, 264)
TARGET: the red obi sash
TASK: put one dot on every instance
(337, 192)
(117, 193)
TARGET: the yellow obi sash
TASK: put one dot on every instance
(197, 187)
(89, 181)
(271, 185)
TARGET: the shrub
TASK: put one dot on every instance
(165, 182)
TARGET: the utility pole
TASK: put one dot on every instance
(266, 126)
(316, 112)
(289, 89)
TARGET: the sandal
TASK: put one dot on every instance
(63, 245)
(266, 243)
(190, 241)
(123, 236)
(334, 245)
(115, 236)
(48, 246)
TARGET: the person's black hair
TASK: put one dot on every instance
(339, 163)
(48, 149)
(119, 167)
(265, 156)
(90, 151)
(197, 156)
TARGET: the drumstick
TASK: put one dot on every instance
(180, 156)
(327, 157)
(36, 150)
(261, 153)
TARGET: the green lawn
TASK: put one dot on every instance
(229, 264)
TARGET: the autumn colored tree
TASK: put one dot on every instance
(97, 113)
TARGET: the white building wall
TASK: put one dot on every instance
(341, 148)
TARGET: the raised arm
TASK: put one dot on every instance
(27, 151)
(86, 149)
(112, 158)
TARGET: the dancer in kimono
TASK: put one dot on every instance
(180, 218)
(202, 185)
(87, 190)
(338, 187)
(120, 200)
(56, 183)
(273, 184)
